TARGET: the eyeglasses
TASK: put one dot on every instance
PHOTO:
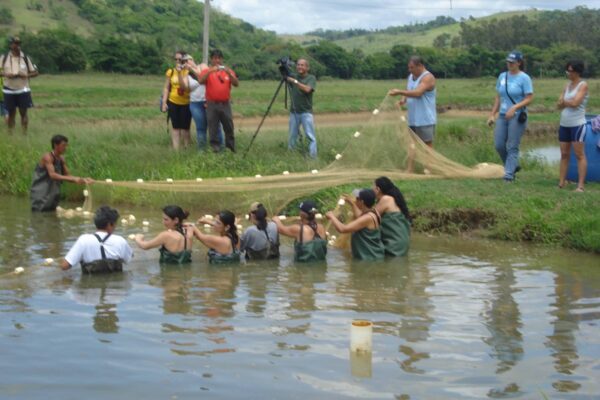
(510, 62)
(569, 70)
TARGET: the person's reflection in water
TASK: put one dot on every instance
(568, 289)
(104, 292)
(175, 282)
(299, 282)
(256, 277)
(396, 287)
(503, 320)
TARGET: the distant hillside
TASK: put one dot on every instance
(161, 26)
(382, 40)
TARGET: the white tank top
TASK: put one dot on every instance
(573, 116)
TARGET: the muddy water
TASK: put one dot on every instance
(456, 319)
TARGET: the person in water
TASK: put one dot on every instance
(395, 217)
(176, 242)
(260, 241)
(48, 175)
(309, 244)
(366, 241)
(100, 252)
(224, 247)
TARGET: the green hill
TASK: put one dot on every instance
(35, 15)
(382, 41)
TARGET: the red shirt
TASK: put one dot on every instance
(218, 85)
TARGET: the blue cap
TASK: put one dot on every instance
(514, 56)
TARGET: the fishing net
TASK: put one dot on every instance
(382, 146)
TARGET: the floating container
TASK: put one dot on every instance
(361, 335)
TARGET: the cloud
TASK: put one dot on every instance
(300, 16)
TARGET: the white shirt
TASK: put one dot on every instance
(197, 90)
(87, 249)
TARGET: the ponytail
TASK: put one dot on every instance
(387, 187)
(261, 217)
(228, 219)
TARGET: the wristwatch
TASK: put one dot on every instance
(296, 81)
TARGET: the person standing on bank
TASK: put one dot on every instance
(302, 87)
(198, 103)
(17, 68)
(49, 174)
(100, 252)
(419, 97)
(572, 102)
(176, 101)
(218, 80)
(514, 93)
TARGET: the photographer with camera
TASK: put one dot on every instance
(218, 80)
(302, 85)
(176, 100)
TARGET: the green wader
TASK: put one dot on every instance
(104, 265)
(366, 244)
(395, 233)
(179, 257)
(313, 250)
(45, 191)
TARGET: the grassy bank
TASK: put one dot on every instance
(116, 132)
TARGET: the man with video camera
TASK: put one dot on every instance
(218, 80)
(302, 85)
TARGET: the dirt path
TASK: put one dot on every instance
(338, 119)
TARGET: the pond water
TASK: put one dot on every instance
(549, 153)
(457, 319)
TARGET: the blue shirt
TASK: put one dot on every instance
(421, 110)
(519, 86)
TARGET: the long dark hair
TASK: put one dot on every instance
(228, 219)
(173, 212)
(387, 187)
(261, 217)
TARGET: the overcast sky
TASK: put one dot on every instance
(300, 16)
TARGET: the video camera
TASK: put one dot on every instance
(285, 65)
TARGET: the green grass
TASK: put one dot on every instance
(116, 131)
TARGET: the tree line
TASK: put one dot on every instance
(140, 37)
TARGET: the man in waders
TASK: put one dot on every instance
(100, 252)
(49, 174)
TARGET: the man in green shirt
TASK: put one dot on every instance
(302, 85)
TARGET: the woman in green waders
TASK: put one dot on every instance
(224, 247)
(309, 244)
(395, 217)
(176, 242)
(366, 237)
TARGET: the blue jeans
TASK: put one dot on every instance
(199, 115)
(308, 125)
(507, 137)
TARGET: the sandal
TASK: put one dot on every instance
(562, 186)
(579, 189)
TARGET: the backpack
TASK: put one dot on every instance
(27, 60)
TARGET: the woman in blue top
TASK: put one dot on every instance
(514, 92)
(572, 102)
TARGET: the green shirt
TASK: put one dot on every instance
(301, 102)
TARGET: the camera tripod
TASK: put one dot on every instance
(287, 88)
